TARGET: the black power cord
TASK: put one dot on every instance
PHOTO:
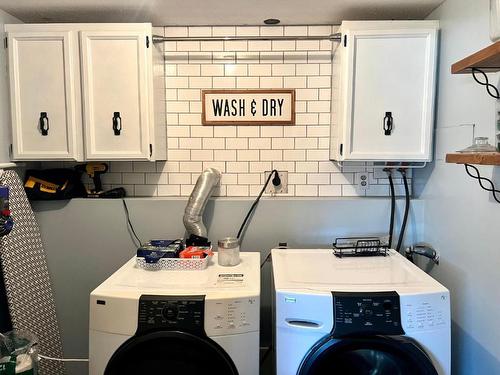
(393, 206)
(407, 209)
(492, 90)
(276, 182)
(481, 179)
(131, 227)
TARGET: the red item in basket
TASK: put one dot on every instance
(196, 252)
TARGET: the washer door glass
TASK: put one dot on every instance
(376, 355)
(173, 352)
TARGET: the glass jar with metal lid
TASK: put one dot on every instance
(228, 251)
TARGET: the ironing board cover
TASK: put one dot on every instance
(27, 281)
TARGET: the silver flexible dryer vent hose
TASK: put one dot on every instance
(198, 200)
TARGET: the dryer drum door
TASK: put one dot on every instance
(170, 352)
(380, 355)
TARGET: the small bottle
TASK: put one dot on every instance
(228, 251)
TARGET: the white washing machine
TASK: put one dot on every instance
(177, 322)
(358, 315)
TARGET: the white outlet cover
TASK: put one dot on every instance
(363, 180)
(282, 189)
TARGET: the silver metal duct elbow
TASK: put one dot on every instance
(198, 200)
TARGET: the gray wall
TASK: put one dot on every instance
(461, 219)
(86, 240)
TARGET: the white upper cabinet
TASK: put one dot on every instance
(85, 92)
(115, 92)
(42, 85)
(387, 88)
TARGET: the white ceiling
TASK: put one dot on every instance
(216, 12)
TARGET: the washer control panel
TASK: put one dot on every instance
(366, 313)
(184, 313)
(231, 316)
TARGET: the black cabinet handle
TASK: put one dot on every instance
(43, 123)
(117, 123)
(388, 121)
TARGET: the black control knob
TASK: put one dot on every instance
(170, 311)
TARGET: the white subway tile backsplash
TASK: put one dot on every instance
(259, 69)
(248, 155)
(247, 31)
(271, 30)
(295, 30)
(224, 82)
(169, 190)
(271, 131)
(236, 143)
(178, 155)
(259, 45)
(237, 190)
(244, 153)
(212, 70)
(260, 166)
(225, 131)
(225, 155)
(224, 31)
(306, 190)
(133, 178)
(247, 82)
(282, 143)
(248, 131)
(214, 143)
(237, 167)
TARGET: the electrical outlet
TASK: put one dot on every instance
(362, 179)
(281, 189)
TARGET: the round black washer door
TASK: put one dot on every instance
(377, 355)
(170, 352)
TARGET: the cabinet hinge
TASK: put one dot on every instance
(345, 40)
(6, 42)
(150, 150)
(147, 41)
(341, 149)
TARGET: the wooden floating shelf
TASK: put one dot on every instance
(487, 59)
(483, 158)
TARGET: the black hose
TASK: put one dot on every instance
(393, 208)
(273, 172)
(407, 209)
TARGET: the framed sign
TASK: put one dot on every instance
(248, 107)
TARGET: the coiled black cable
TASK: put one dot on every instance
(481, 179)
(492, 90)
(407, 210)
(393, 207)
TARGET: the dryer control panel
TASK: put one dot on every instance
(182, 313)
(366, 313)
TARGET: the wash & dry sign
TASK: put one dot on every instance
(248, 107)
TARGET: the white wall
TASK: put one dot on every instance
(4, 91)
(461, 219)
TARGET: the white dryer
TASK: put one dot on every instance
(177, 322)
(358, 315)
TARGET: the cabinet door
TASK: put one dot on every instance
(390, 86)
(115, 92)
(42, 87)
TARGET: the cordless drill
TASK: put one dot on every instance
(94, 170)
